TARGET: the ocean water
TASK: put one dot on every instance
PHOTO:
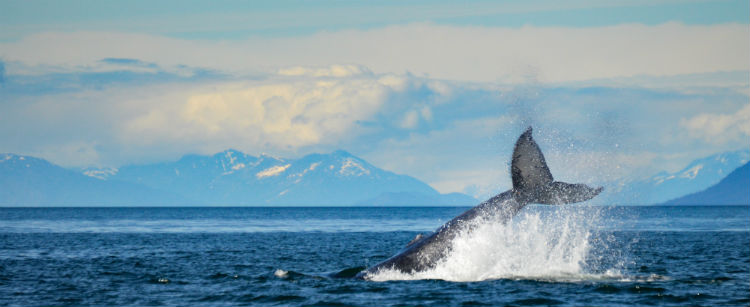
(563, 256)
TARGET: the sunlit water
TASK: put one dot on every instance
(570, 255)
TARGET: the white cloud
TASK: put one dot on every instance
(227, 19)
(426, 113)
(410, 120)
(550, 54)
(720, 128)
(77, 150)
(277, 115)
(465, 152)
(459, 136)
(328, 71)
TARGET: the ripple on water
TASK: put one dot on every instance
(607, 289)
(663, 298)
(474, 303)
(639, 289)
(631, 268)
(280, 299)
(537, 302)
(327, 303)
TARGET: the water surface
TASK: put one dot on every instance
(566, 256)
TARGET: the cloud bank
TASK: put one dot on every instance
(457, 136)
(442, 103)
(719, 129)
(551, 54)
(277, 115)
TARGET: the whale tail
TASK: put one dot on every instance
(533, 182)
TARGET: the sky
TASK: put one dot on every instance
(437, 90)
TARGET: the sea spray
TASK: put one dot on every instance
(540, 243)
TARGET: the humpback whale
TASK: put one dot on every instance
(532, 183)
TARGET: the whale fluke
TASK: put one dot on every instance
(528, 169)
(532, 179)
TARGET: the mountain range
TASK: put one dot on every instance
(664, 186)
(226, 178)
(732, 190)
(29, 181)
(233, 178)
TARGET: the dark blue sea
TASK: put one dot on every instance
(546, 256)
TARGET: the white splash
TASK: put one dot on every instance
(281, 273)
(535, 245)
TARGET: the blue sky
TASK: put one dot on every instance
(433, 89)
(238, 19)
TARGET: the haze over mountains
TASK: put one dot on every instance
(664, 186)
(732, 190)
(337, 179)
(227, 178)
(29, 181)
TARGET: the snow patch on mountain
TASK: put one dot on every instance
(298, 176)
(233, 168)
(692, 172)
(272, 171)
(352, 168)
(232, 161)
(100, 173)
(313, 166)
(234, 178)
(696, 176)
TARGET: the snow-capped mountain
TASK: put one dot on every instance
(226, 178)
(234, 178)
(339, 178)
(696, 176)
(29, 181)
(734, 189)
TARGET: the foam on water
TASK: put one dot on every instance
(281, 273)
(536, 244)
